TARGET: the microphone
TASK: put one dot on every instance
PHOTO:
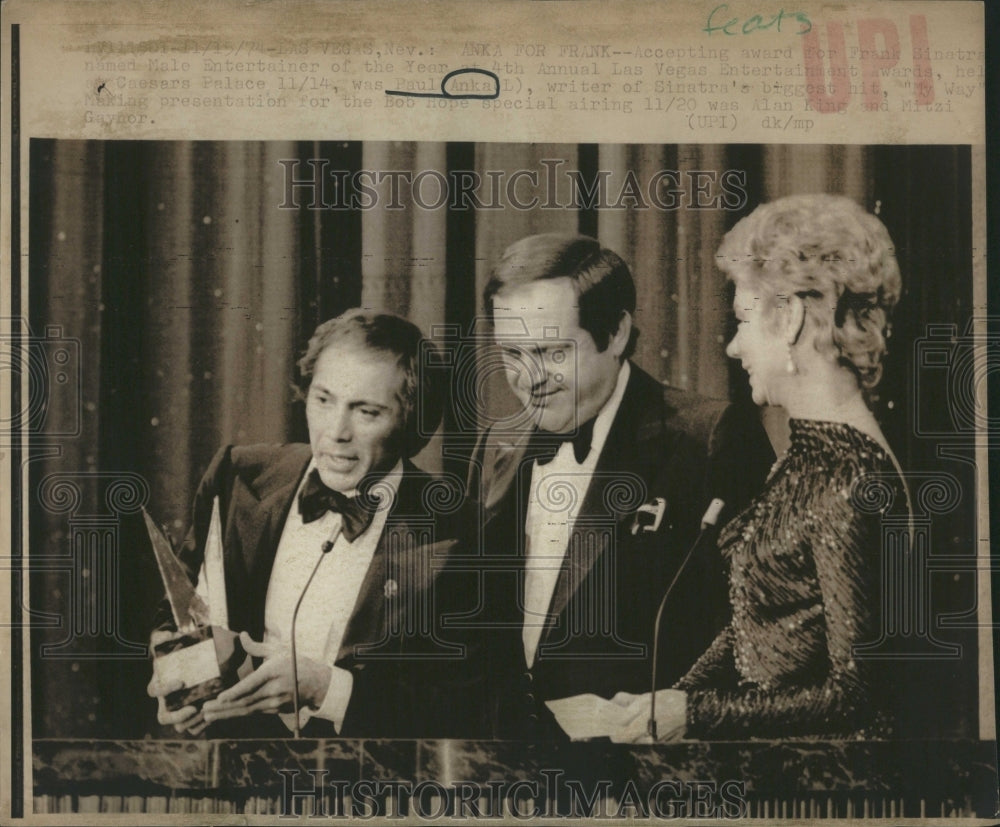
(326, 548)
(709, 527)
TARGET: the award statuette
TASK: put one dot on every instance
(203, 654)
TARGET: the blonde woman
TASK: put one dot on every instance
(816, 280)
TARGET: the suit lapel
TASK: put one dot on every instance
(259, 523)
(391, 566)
(625, 462)
(367, 624)
(502, 460)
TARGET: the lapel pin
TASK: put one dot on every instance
(649, 516)
(391, 589)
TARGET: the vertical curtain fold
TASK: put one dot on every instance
(708, 308)
(794, 168)
(403, 242)
(172, 395)
(275, 310)
(429, 230)
(645, 244)
(239, 272)
(681, 306)
(66, 204)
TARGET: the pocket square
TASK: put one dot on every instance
(649, 516)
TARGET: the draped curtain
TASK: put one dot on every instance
(191, 282)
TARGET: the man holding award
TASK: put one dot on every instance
(324, 558)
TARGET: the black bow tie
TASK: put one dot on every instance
(547, 445)
(356, 512)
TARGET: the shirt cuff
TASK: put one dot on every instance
(338, 695)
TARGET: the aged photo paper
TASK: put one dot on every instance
(189, 190)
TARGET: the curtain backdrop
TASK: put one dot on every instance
(191, 283)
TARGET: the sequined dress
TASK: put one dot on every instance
(804, 562)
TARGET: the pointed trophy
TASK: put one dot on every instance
(204, 654)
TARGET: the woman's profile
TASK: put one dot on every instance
(816, 280)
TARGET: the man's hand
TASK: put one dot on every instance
(186, 719)
(671, 717)
(269, 688)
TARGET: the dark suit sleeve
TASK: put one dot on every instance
(216, 480)
(459, 684)
(426, 681)
(712, 667)
(438, 697)
(698, 605)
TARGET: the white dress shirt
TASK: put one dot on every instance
(554, 499)
(329, 602)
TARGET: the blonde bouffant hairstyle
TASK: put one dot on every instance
(834, 255)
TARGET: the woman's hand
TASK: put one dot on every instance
(269, 688)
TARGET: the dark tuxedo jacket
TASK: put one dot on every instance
(393, 645)
(600, 630)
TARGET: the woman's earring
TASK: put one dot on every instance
(790, 367)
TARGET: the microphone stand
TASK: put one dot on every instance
(326, 548)
(708, 522)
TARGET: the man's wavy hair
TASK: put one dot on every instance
(420, 395)
(833, 254)
(603, 283)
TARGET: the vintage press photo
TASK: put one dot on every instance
(693, 300)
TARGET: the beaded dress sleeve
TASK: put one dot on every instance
(715, 666)
(803, 564)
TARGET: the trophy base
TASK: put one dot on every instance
(206, 661)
